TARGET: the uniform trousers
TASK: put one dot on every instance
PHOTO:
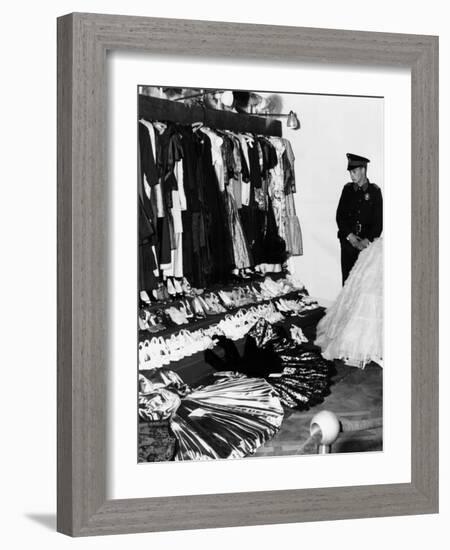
(349, 255)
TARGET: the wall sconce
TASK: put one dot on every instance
(292, 119)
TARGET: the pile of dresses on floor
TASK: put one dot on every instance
(243, 406)
(230, 418)
(212, 202)
(295, 369)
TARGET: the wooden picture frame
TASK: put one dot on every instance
(83, 41)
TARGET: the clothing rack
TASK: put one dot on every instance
(154, 108)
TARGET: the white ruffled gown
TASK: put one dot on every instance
(352, 328)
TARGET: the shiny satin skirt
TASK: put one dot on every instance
(306, 377)
(228, 419)
(303, 376)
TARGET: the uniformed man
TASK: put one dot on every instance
(359, 214)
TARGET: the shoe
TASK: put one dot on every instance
(185, 343)
(143, 295)
(143, 318)
(177, 286)
(182, 309)
(155, 324)
(161, 293)
(214, 306)
(145, 386)
(181, 313)
(297, 334)
(205, 306)
(142, 353)
(198, 309)
(215, 300)
(170, 288)
(149, 355)
(226, 299)
(164, 351)
(174, 344)
(185, 286)
(187, 309)
(271, 287)
(176, 316)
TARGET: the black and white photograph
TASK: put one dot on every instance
(221, 274)
(260, 265)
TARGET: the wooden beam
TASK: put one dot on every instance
(154, 108)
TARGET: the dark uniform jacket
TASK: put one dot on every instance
(360, 211)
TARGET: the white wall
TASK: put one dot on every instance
(331, 126)
(28, 298)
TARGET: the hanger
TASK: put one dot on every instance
(160, 126)
(249, 139)
(196, 126)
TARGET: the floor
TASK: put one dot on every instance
(356, 394)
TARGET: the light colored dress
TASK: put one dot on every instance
(352, 328)
(241, 252)
(276, 188)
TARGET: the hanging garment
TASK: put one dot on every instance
(241, 252)
(189, 165)
(170, 151)
(147, 264)
(269, 156)
(289, 167)
(245, 164)
(294, 240)
(292, 229)
(218, 229)
(152, 184)
(352, 328)
(273, 246)
(276, 188)
(216, 155)
(180, 181)
(148, 163)
(281, 189)
(255, 168)
(154, 201)
(217, 201)
(243, 223)
(148, 269)
(175, 269)
(236, 180)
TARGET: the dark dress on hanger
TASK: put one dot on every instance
(146, 212)
(196, 254)
(252, 219)
(216, 225)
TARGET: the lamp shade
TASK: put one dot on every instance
(227, 98)
(292, 121)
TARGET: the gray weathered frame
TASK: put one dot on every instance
(83, 41)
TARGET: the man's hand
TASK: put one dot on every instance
(354, 240)
(364, 243)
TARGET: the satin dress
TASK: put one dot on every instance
(230, 418)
